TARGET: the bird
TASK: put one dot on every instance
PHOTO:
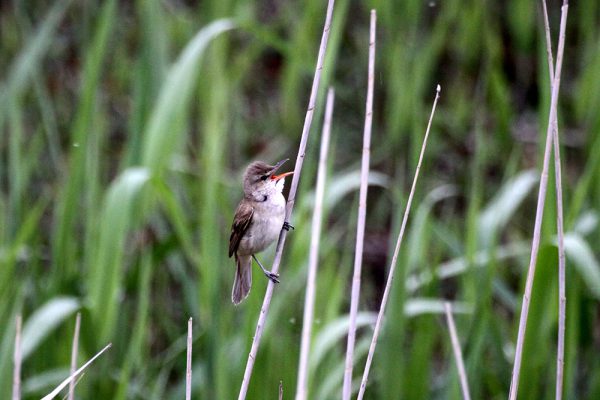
(257, 222)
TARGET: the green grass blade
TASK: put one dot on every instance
(504, 205)
(81, 180)
(29, 59)
(585, 262)
(162, 134)
(45, 320)
(105, 279)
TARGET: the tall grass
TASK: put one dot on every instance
(124, 131)
(362, 211)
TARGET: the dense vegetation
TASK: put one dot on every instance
(125, 127)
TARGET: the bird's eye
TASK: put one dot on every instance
(263, 178)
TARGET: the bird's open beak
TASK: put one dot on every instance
(276, 167)
(278, 177)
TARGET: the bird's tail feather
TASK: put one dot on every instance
(243, 279)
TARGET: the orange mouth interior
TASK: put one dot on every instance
(278, 177)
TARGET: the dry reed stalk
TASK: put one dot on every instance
(16, 389)
(315, 239)
(460, 365)
(562, 296)
(390, 278)
(73, 376)
(74, 351)
(362, 211)
(290, 202)
(188, 364)
(514, 385)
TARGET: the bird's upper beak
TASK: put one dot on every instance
(276, 167)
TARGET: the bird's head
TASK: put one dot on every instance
(260, 178)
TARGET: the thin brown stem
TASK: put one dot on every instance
(548, 42)
(390, 278)
(460, 365)
(74, 351)
(514, 386)
(74, 376)
(290, 203)
(16, 389)
(562, 296)
(188, 364)
(280, 390)
(313, 260)
(362, 212)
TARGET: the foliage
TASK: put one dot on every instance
(124, 130)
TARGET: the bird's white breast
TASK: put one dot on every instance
(266, 225)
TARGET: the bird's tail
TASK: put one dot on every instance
(243, 279)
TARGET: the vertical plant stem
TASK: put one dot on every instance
(362, 211)
(548, 42)
(16, 392)
(460, 366)
(290, 202)
(188, 365)
(562, 296)
(390, 278)
(74, 351)
(280, 390)
(315, 239)
(514, 386)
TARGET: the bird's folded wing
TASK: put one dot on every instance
(241, 222)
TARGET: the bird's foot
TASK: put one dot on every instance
(287, 226)
(273, 277)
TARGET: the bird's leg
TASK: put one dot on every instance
(272, 276)
(287, 226)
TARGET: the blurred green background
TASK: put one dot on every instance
(125, 127)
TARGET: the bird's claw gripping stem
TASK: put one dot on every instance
(272, 276)
(287, 226)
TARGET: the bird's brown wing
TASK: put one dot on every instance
(241, 222)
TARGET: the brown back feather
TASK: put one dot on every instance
(241, 222)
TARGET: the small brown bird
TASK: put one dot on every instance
(257, 223)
